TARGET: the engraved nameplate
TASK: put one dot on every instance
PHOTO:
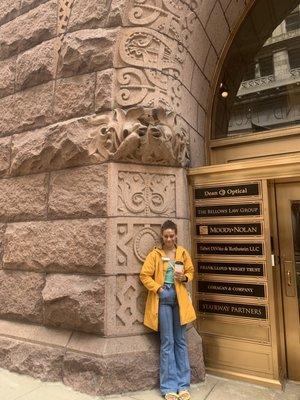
(229, 229)
(232, 288)
(230, 268)
(239, 310)
(227, 191)
(230, 210)
(240, 249)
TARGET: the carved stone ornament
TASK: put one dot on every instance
(146, 194)
(149, 87)
(140, 135)
(174, 18)
(64, 11)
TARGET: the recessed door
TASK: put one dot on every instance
(288, 214)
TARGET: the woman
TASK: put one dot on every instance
(165, 273)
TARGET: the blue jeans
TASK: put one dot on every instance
(174, 361)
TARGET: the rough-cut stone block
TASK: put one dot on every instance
(28, 29)
(74, 97)
(80, 192)
(87, 51)
(56, 147)
(27, 5)
(25, 110)
(35, 333)
(195, 355)
(2, 231)
(5, 146)
(36, 65)
(39, 361)
(88, 14)
(119, 367)
(102, 366)
(116, 13)
(90, 363)
(217, 28)
(75, 302)
(8, 10)
(7, 77)
(60, 246)
(21, 295)
(23, 198)
(104, 97)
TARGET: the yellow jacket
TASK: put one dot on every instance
(152, 276)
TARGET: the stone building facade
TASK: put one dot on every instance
(103, 106)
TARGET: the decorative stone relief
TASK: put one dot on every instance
(131, 239)
(156, 44)
(134, 240)
(64, 11)
(140, 135)
(150, 49)
(150, 87)
(146, 194)
(173, 18)
(130, 297)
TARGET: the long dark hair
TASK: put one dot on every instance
(168, 224)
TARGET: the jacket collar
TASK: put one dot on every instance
(179, 250)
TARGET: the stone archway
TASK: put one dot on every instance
(88, 93)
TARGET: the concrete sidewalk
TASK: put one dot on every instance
(14, 386)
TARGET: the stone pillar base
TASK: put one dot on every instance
(86, 362)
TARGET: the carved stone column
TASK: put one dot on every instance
(140, 197)
(94, 139)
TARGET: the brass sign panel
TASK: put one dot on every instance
(232, 249)
(232, 191)
(239, 310)
(245, 229)
(229, 210)
(232, 288)
(220, 268)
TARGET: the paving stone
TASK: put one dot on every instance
(229, 390)
(17, 387)
(56, 391)
(13, 385)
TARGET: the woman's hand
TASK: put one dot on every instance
(161, 289)
(180, 276)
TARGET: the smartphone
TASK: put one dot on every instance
(178, 266)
